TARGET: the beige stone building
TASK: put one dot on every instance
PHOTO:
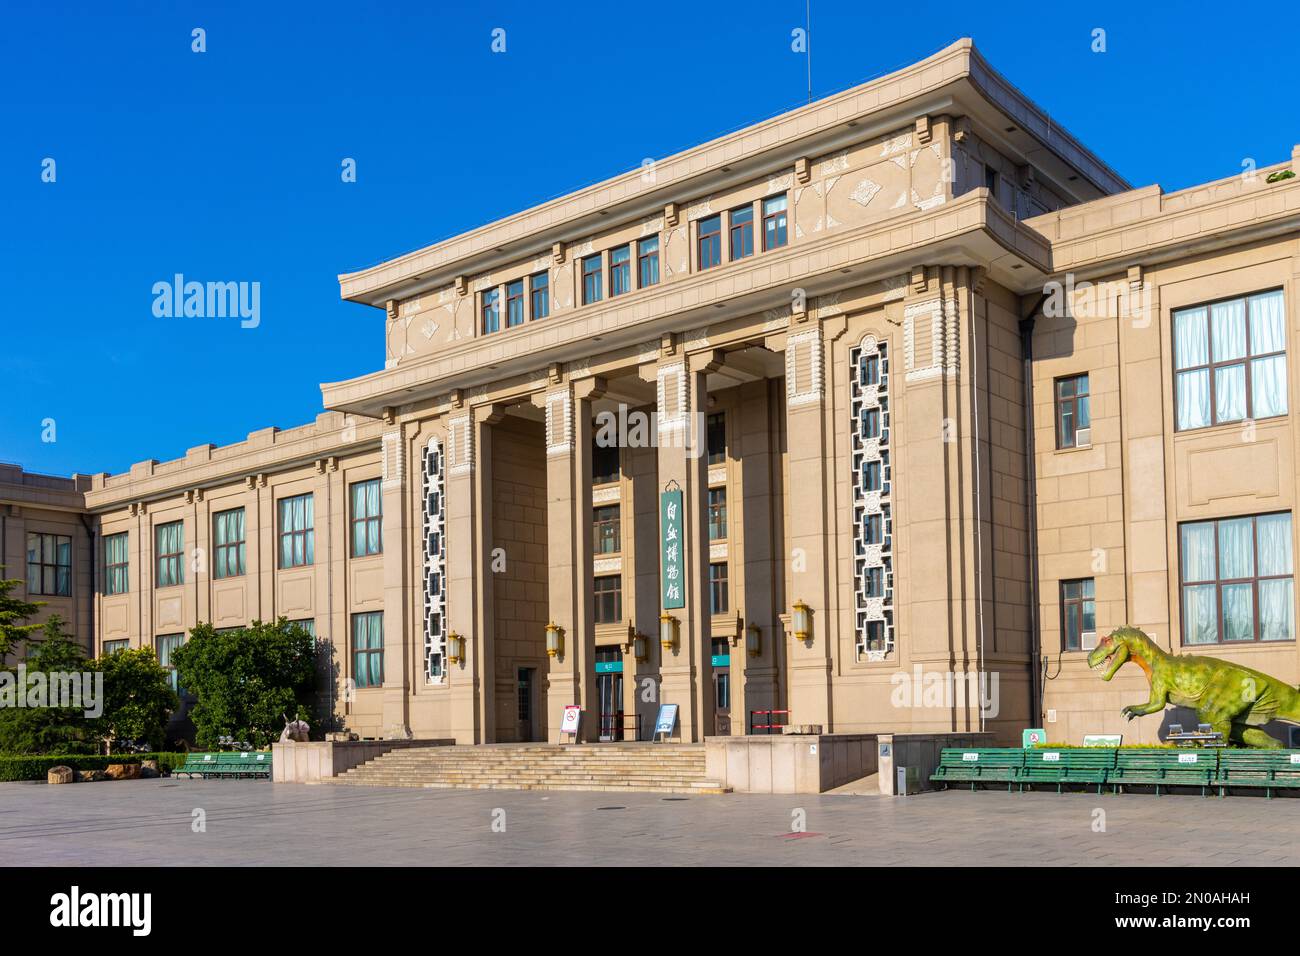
(929, 391)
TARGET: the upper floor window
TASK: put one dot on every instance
(1078, 612)
(709, 242)
(368, 649)
(620, 270)
(719, 599)
(1073, 421)
(228, 543)
(491, 310)
(609, 599)
(167, 643)
(716, 437)
(604, 463)
(539, 290)
(774, 222)
(1236, 576)
(605, 530)
(117, 578)
(514, 303)
(1230, 360)
(647, 255)
(717, 514)
(367, 517)
(170, 544)
(591, 279)
(297, 531)
(742, 232)
(49, 564)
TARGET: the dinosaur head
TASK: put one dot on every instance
(1114, 650)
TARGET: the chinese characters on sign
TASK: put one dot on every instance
(672, 565)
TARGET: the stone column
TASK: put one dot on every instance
(755, 679)
(809, 523)
(469, 585)
(570, 602)
(683, 463)
(396, 544)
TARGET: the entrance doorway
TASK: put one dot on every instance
(609, 691)
(526, 700)
(721, 661)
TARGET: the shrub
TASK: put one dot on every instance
(36, 767)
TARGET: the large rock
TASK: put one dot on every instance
(59, 775)
(90, 776)
(123, 771)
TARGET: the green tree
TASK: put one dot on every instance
(14, 612)
(247, 680)
(44, 729)
(138, 698)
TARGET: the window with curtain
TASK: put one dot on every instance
(490, 311)
(368, 649)
(647, 257)
(774, 222)
(308, 624)
(297, 534)
(117, 578)
(114, 647)
(514, 303)
(1236, 577)
(591, 279)
(170, 543)
(539, 291)
(367, 518)
(620, 270)
(49, 564)
(1078, 612)
(1230, 361)
(167, 643)
(228, 543)
(1072, 412)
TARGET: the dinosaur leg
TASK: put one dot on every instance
(1254, 737)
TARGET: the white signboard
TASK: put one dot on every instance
(569, 724)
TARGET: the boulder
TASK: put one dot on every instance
(59, 775)
(90, 776)
(123, 771)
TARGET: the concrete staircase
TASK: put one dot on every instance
(625, 768)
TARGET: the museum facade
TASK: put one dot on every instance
(870, 416)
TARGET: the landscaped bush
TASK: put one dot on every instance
(35, 768)
(1161, 746)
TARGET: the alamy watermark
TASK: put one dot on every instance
(80, 690)
(178, 298)
(946, 690)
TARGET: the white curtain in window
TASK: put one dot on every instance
(1236, 549)
(1191, 346)
(1228, 327)
(1276, 610)
(1267, 323)
(1198, 614)
(1273, 534)
(1229, 393)
(1194, 399)
(1198, 551)
(1268, 386)
(1238, 612)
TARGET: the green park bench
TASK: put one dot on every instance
(232, 764)
(1165, 768)
(978, 765)
(1270, 769)
(1091, 765)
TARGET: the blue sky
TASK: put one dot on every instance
(225, 165)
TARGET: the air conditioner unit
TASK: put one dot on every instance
(1088, 640)
(1083, 438)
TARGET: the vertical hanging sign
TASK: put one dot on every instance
(672, 565)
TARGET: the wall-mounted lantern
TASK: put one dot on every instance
(455, 648)
(754, 640)
(640, 648)
(667, 631)
(801, 621)
(554, 640)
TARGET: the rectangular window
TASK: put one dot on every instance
(609, 599)
(308, 624)
(115, 647)
(717, 514)
(591, 280)
(716, 437)
(166, 644)
(1073, 420)
(49, 564)
(871, 475)
(297, 534)
(620, 270)
(606, 537)
(604, 463)
(368, 649)
(774, 222)
(718, 598)
(709, 242)
(1230, 361)
(742, 232)
(875, 528)
(170, 543)
(647, 256)
(491, 311)
(871, 370)
(228, 543)
(1236, 577)
(876, 582)
(367, 518)
(991, 181)
(1078, 612)
(117, 576)
(539, 289)
(871, 422)
(514, 303)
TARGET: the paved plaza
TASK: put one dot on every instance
(259, 823)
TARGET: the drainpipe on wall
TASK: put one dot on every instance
(90, 533)
(1031, 513)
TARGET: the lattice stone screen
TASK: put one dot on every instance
(435, 564)
(873, 565)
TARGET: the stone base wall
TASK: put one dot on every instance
(315, 761)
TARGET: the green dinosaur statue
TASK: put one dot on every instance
(1232, 699)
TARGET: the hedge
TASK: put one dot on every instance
(36, 768)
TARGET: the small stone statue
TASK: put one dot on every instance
(294, 730)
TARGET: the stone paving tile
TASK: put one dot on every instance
(258, 823)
